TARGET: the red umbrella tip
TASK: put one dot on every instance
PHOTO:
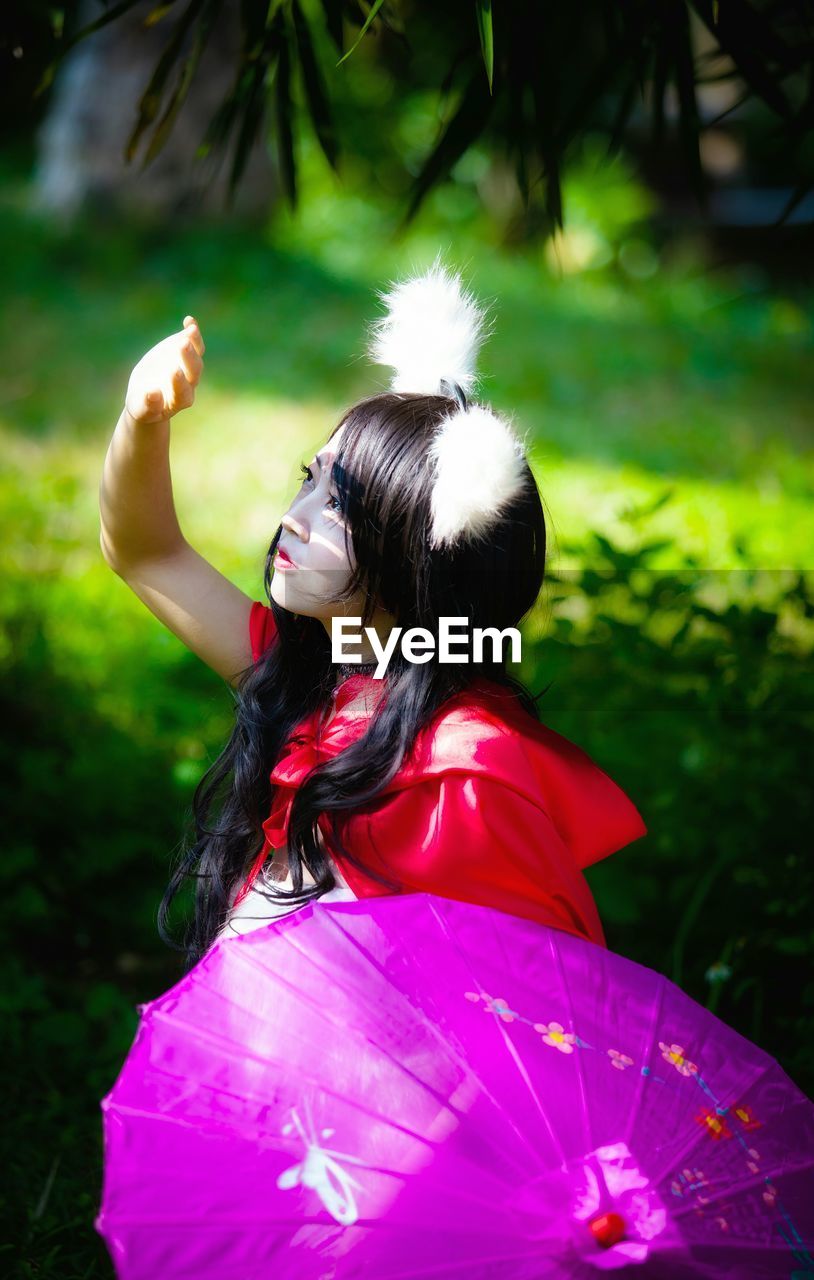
(607, 1229)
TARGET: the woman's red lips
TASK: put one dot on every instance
(283, 560)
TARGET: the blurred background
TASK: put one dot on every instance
(631, 191)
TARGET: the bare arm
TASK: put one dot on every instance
(140, 536)
(138, 520)
(199, 605)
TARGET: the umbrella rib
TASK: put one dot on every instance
(588, 1137)
(240, 1052)
(360, 1034)
(750, 1183)
(524, 1075)
(448, 1266)
(649, 1047)
(448, 1045)
(678, 1159)
(732, 1243)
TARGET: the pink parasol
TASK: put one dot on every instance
(410, 1086)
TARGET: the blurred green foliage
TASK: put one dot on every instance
(651, 78)
(667, 411)
(695, 691)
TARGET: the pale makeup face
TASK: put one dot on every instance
(313, 537)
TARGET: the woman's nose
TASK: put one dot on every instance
(296, 527)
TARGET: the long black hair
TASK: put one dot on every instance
(384, 485)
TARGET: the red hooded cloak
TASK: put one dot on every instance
(490, 806)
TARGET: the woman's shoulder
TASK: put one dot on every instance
(485, 726)
(486, 733)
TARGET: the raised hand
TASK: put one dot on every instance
(164, 380)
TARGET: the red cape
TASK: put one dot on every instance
(490, 807)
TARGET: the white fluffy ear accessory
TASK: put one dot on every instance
(430, 337)
(432, 330)
(480, 467)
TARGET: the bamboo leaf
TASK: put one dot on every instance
(549, 148)
(515, 138)
(317, 98)
(464, 127)
(333, 11)
(150, 100)
(252, 119)
(50, 71)
(553, 199)
(733, 106)
(374, 10)
(589, 95)
(622, 116)
(221, 123)
(157, 14)
(688, 120)
(627, 58)
(285, 124)
(235, 102)
(256, 20)
(640, 40)
(661, 66)
(253, 108)
(483, 12)
(754, 47)
(752, 21)
(800, 192)
(204, 30)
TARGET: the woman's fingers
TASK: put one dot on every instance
(164, 380)
(183, 391)
(193, 332)
(191, 362)
(153, 406)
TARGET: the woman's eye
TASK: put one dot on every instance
(332, 501)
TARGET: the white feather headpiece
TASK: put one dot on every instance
(430, 337)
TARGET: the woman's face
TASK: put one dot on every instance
(311, 563)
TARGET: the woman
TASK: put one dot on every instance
(436, 777)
